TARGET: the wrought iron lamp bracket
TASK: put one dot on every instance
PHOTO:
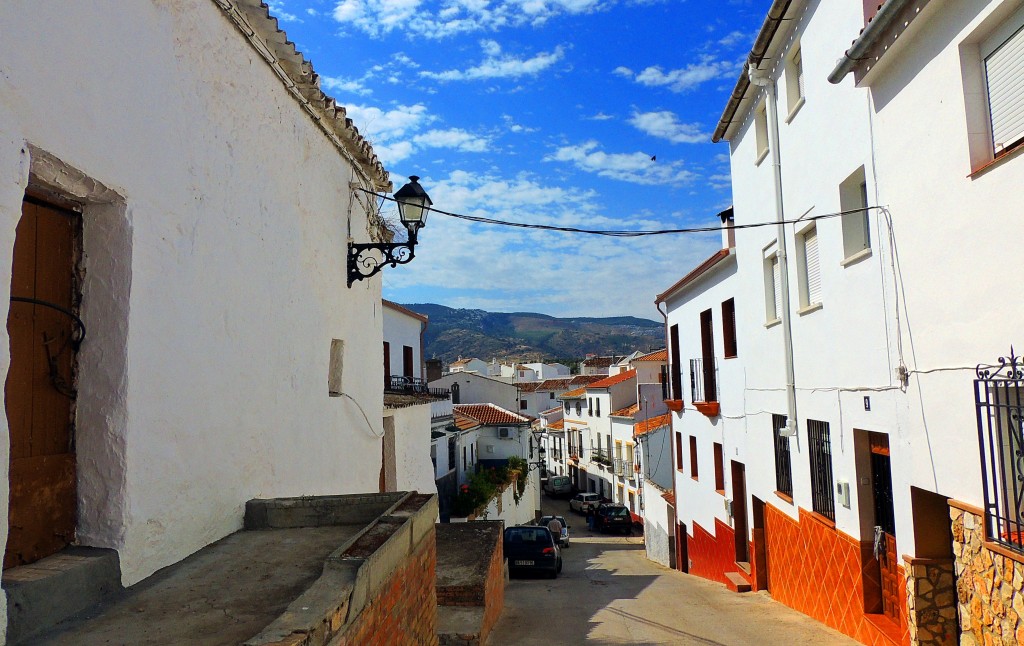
(362, 263)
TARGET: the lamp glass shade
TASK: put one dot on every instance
(542, 451)
(413, 203)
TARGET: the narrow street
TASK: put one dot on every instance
(609, 593)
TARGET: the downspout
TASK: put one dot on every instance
(761, 79)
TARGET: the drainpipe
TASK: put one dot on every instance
(762, 79)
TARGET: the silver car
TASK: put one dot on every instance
(563, 540)
(582, 502)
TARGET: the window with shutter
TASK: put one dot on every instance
(813, 275)
(1004, 69)
(776, 287)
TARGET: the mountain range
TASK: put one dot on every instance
(527, 336)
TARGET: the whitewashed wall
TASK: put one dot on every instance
(413, 469)
(214, 263)
(658, 531)
(476, 389)
(951, 231)
(840, 350)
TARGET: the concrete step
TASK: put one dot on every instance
(736, 582)
(41, 595)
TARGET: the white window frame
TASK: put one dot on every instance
(1002, 57)
(853, 196)
(772, 285)
(761, 132)
(795, 81)
(809, 268)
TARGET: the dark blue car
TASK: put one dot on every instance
(532, 548)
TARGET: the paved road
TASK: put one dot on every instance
(609, 593)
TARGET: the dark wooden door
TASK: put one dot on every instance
(39, 393)
(885, 522)
(387, 365)
(407, 367)
(739, 511)
(707, 353)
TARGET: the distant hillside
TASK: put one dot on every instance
(526, 336)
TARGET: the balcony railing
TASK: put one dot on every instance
(704, 380)
(556, 454)
(413, 386)
(601, 456)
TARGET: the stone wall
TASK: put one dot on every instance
(989, 583)
(931, 601)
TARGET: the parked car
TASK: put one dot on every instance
(612, 517)
(532, 548)
(558, 486)
(582, 502)
(563, 540)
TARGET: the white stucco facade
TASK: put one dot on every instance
(403, 334)
(215, 216)
(472, 388)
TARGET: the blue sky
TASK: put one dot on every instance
(540, 111)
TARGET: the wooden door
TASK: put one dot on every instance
(39, 392)
(387, 365)
(885, 522)
(739, 511)
(407, 367)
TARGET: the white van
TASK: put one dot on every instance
(558, 486)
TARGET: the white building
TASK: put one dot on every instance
(469, 365)
(403, 343)
(548, 370)
(653, 438)
(858, 327)
(474, 388)
(225, 358)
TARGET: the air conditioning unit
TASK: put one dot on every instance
(504, 433)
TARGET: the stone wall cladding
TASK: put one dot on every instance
(989, 584)
(931, 602)
(404, 609)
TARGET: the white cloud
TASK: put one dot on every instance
(686, 78)
(277, 10)
(664, 125)
(416, 19)
(497, 65)
(386, 125)
(450, 260)
(733, 38)
(452, 138)
(623, 71)
(337, 84)
(637, 167)
(600, 116)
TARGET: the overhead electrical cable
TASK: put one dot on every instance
(626, 233)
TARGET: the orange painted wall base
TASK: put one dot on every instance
(713, 555)
(820, 571)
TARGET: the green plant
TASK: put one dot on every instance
(475, 494)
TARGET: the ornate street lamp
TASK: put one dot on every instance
(413, 206)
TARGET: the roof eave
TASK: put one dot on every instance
(703, 270)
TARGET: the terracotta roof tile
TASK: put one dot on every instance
(652, 424)
(670, 497)
(557, 426)
(489, 414)
(607, 382)
(528, 386)
(585, 380)
(462, 362)
(628, 411)
(555, 384)
(579, 393)
(657, 355)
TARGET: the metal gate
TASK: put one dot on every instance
(1000, 408)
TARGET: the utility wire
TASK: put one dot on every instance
(626, 233)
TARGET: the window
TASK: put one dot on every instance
(703, 381)
(522, 404)
(629, 456)
(761, 132)
(590, 406)
(820, 451)
(693, 457)
(719, 469)
(1003, 56)
(679, 451)
(407, 363)
(772, 285)
(597, 406)
(566, 405)
(783, 467)
(853, 201)
(677, 370)
(794, 81)
(463, 458)
(808, 267)
(578, 407)
(387, 365)
(551, 395)
(729, 328)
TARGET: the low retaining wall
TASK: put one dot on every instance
(471, 578)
